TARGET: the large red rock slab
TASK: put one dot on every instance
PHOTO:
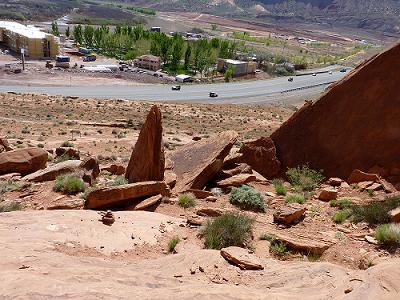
(327, 194)
(23, 161)
(357, 176)
(241, 258)
(197, 163)
(260, 154)
(147, 161)
(354, 125)
(305, 243)
(123, 194)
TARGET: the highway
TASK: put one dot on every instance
(258, 91)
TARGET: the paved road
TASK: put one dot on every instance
(258, 91)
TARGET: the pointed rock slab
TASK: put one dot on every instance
(237, 180)
(197, 163)
(124, 194)
(23, 161)
(147, 160)
(359, 176)
(241, 258)
(260, 154)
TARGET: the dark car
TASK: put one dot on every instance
(290, 79)
(176, 88)
(213, 95)
(343, 70)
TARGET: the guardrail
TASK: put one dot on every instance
(307, 87)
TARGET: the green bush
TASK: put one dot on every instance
(119, 180)
(341, 203)
(69, 184)
(67, 144)
(279, 187)
(278, 248)
(388, 234)
(62, 158)
(187, 200)
(304, 178)
(341, 215)
(172, 243)
(375, 212)
(247, 198)
(9, 186)
(295, 198)
(6, 207)
(229, 229)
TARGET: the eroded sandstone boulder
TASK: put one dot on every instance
(236, 180)
(147, 160)
(197, 163)
(327, 194)
(23, 161)
(241, 258)
(260, 154)
(289, 213)
(4, 146)
(124, 194)
(115, 169)
(68, 151)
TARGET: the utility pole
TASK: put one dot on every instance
(23, 58)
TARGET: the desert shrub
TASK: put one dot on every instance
(278, 248)
(388, 234)
(341, 203)
(295, 198)
(267, 237)
(229, 229)
(375, 212)
(69, 184)
(247, 198)
(67, 144)
(13, 206)
(279, 187)
(9, 186)
(304, 178)
(187, 200)
(341, 215)
(172, 243)
(62, 158)
(119, 180)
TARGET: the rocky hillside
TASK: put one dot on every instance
(367, 14)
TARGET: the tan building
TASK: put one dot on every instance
(148, 62)
(37, 44)
(240, 68)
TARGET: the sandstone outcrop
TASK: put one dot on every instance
(354, 125)
(23, 161)
(147, 160)
(197, 163)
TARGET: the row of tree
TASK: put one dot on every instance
(130, 41)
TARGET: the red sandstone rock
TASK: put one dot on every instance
(242, 258)
(147, 160)
(71, 152)
(237, 180)
(327, 194)
(289, 213)
(358, 176)
(4, 146)
(354, 125)
(197, 163)
(23, 161)
(115, 169)
(260, 154)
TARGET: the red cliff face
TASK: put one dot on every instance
(355, 125)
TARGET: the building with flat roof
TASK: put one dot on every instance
(148, 62)
(36, 43)
(240, 68)
(183, 78)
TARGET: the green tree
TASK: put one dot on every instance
(88, 33)
(177, 51)
(188, 54)
(229, 73)
(67, 32)
(54, 29)
(77, 33)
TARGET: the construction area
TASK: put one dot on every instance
(35, 43)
